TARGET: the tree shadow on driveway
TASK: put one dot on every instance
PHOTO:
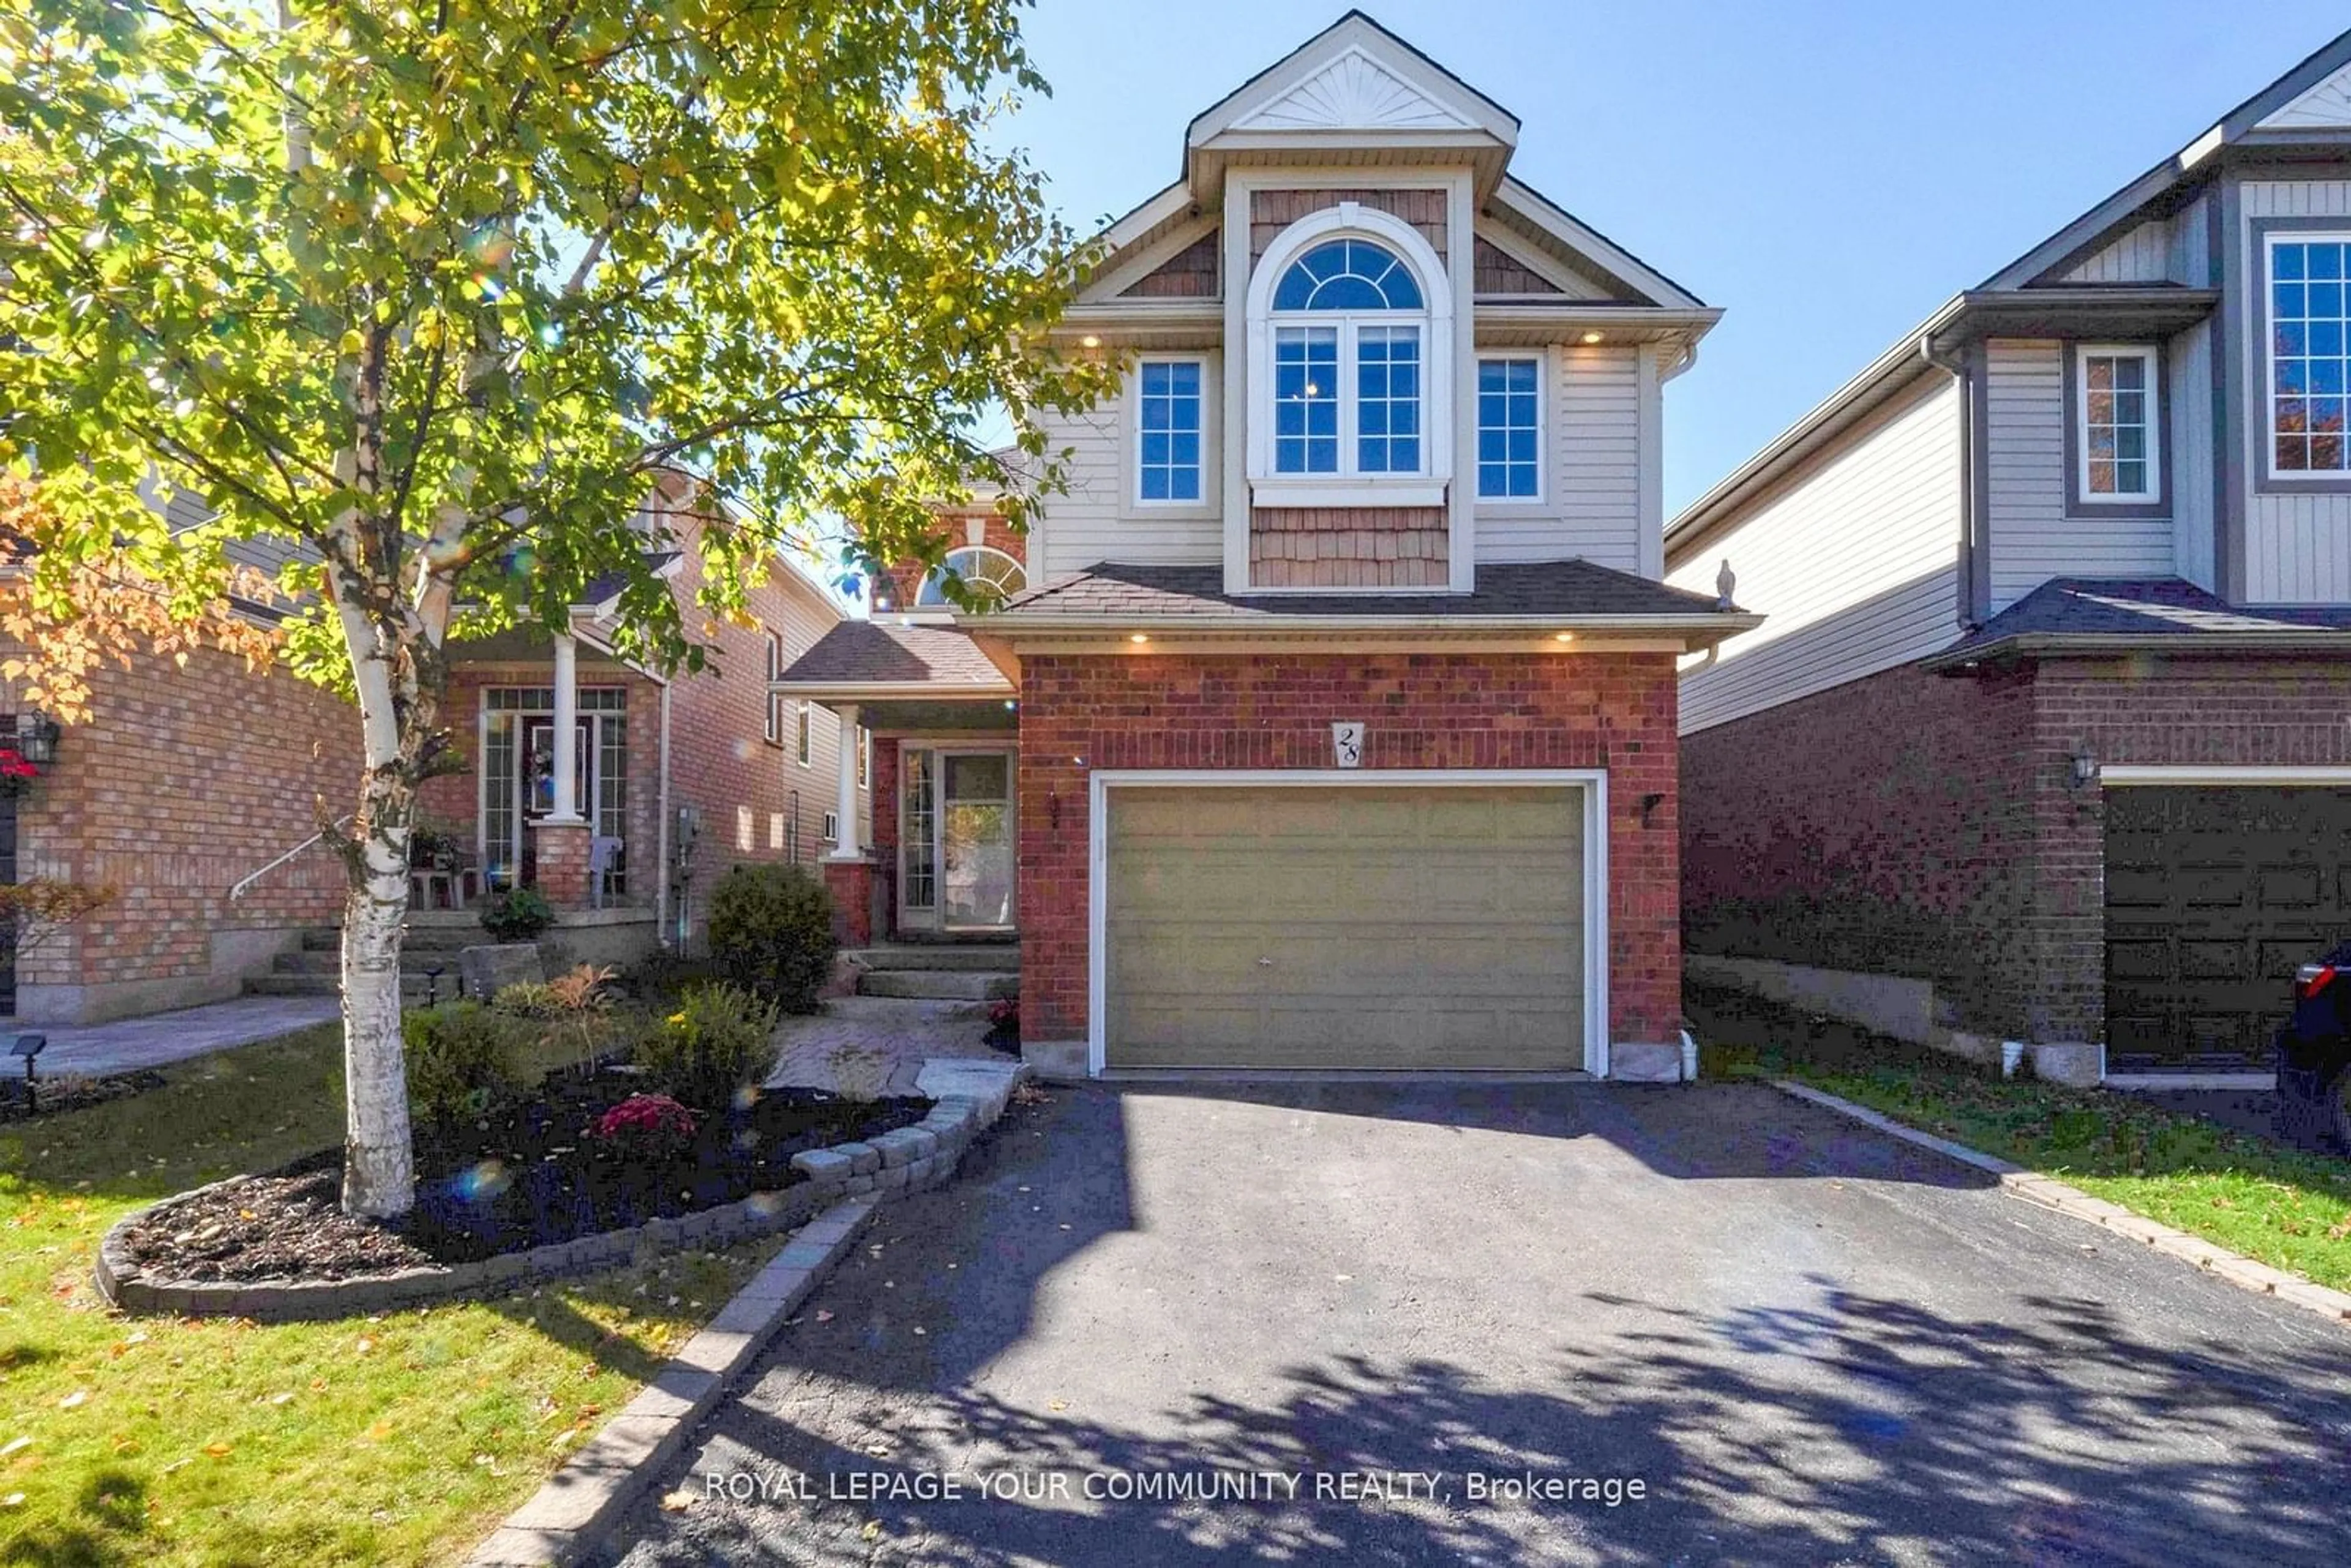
(1788, 1416)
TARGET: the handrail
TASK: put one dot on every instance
(238, 891)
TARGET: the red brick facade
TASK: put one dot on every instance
(186, 779)
(1467, 710)
(895, 588)
(1926, 825)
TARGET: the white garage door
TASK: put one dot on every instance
(1406, 928)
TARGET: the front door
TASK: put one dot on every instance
(519, 757)
(956, 852)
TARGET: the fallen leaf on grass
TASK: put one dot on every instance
(13, 1499)
(219, 1451)
(14, 1444)
(74, 1401)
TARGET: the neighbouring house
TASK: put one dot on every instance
(196, 791)
(2048, 738)
(1327, 720)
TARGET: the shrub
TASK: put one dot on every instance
(528, 999)
(721, 1039)
(461, 1060)
(518, 914)
(646, 1123)
(772, 931)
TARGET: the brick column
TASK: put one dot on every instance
(850, 883)
(563, 862)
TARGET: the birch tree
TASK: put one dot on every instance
(434, 288)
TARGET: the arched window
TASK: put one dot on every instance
(992, 574)
(1351, 333)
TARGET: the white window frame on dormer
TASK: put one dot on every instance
(1350, 220)
(2150, 360)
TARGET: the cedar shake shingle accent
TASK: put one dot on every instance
(1189, 274)
(1499, 273)
(1270, 211)
(1347, 546)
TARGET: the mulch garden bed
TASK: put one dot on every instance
(528, 1175)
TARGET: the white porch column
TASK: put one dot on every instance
(567, 728)
(846, 847)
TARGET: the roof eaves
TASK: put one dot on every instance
(1891, 369)
(1575, 233)
(2089, 644)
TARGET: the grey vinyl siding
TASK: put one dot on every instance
(2188, 429)
(2161, 250)
(1854, 560)
(2297, 545)
(1591, 481)
(1085, 526)
(2030, 536)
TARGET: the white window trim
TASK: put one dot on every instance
(1593, 782)
(2267, 282)
(920, 609)
(2149, 355)
(774, 727)
(1204, 504)
(1434, 319)
(804, 737)
(829, 829)
(1503, 505)
(864, 758)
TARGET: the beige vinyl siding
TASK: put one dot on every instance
(2189, 431)
(1853, 559)
(2297, 545)
(2032, 540)
(1084, 527)
(1591, 478)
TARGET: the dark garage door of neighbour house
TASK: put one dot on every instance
(2213, 896)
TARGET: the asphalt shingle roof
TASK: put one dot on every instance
(2152, 607)
(857, 653)
(1540, 587)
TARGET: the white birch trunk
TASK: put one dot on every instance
(379, 1164)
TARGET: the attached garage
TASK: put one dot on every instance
(2213, 896)
(1354, 922)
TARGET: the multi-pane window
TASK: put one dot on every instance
(1348, 368)
(1388, 400)
(1306, 400)
(1168, 425)
(989, 574)
(2310, 331)
(1510, 430)
(2116, 436)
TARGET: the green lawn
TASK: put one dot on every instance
(2287, 1208)
(398, 1441)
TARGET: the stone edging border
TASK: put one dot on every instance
(2238, 1270)
(904, 1159)
(600, 1481)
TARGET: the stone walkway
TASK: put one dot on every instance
(126, 1045)
(884, 1041)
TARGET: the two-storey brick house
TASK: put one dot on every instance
(2048, 736)
(195, 791)
(1327, 720)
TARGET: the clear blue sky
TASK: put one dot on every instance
(1826, 173)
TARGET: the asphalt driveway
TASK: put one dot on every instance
(1364, 1317)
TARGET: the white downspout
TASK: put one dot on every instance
(661, 831)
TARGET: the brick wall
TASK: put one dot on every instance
(186, 779)
(896, 588)
(1423, 710)
(1924, 825)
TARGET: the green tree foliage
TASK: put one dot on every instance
(430, 291)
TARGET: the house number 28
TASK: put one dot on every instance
(1347, 743)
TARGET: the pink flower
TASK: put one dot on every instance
(646, 1115)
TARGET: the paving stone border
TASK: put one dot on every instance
(964, 1105)
(600, 1481)
(2240, 1271)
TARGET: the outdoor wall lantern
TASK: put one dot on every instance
(2085, 771)
(36, 738)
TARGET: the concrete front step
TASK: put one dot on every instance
(943, 985)
(995, 959)
(415, 939)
